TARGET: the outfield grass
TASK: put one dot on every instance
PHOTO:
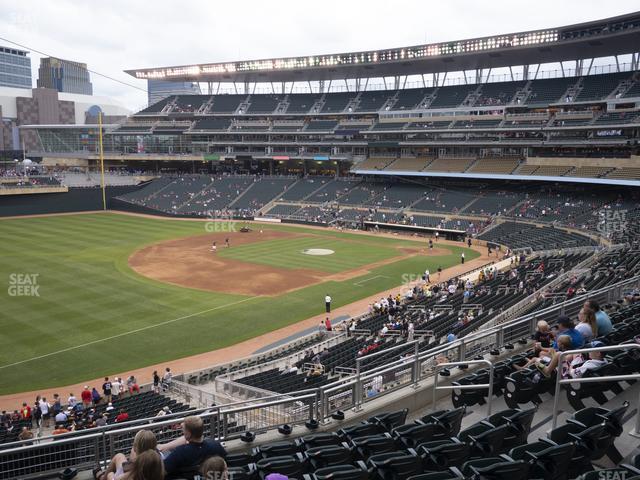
(95, 316)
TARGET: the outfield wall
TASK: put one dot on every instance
(75, 200)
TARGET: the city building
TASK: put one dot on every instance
(64, 76)
(15, 68)
(160, 89)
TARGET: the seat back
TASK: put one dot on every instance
(552, 463)
(413, 435)
(515, 470)
(451, 421)
(329, 456)
(444, 454)
(361, 430)
(374, 444)
(341, 472)
(320, 439)
(276, 449)
(396, 466)
(489, 442)
(238, 459)
(390, 420)
(288, 465)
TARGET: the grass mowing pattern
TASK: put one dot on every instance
(89, 295)
(287, 253)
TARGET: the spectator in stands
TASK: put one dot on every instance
(327, 324)
(86, 397)
(25, 435)
(122, 416)
(144, 441)
(95, 396)
(110, 407)
(156, 382)
(60, 429)
(37, 414)
(543, 336)
(189, 451)
(147, 465)
(116, 388)
(587, 324)
(72, 400)
(106, 390)
(45, 408)
(163, 411)
(166, 379)
(602, 319)
(132, 385)
(61, 417)
(322, 328)
(596, 360)
(566, 328)
(102, 420)
(547, 360)
(25, 411)
(214, 468)
(57, 404)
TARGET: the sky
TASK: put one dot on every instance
(123, 34)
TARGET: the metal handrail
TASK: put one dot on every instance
(561, 381)
(489, 385)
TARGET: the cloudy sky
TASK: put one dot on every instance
(121, 34)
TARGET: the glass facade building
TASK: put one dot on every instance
(64, 76)
(160, 89)
(15, 68)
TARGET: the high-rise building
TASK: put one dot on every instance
(159, 89)
(64, 76)
(15, 68)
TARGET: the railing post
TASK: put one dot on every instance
(357, 388)
(500, 337)
(416, 365)
(319, 402)
(636, 431)
(435, 388)
(490, 393)
(313, 406)
(325, 406)
(462, 352)
(224, 426)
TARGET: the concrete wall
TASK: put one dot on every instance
(634, 161)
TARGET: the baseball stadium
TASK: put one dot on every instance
(412, 263)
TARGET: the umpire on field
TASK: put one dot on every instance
(327, 303)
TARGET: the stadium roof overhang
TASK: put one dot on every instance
(601, 38)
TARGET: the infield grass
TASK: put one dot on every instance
(94, 316)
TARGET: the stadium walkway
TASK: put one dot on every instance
(242, 349)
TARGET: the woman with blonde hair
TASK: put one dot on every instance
(145, 440)
(214, 468)
(147, 466)
(587, 326)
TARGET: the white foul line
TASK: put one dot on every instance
(75, 347)
(370, 278)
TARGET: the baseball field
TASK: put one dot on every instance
(97, 294)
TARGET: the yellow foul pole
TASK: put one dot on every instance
(104, 196)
